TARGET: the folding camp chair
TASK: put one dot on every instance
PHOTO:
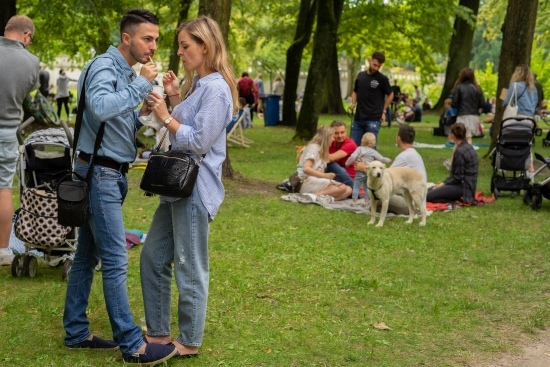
(237, 137)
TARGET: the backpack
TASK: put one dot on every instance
(246, 86)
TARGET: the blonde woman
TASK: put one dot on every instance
(178, 236)
(523, 81)
(313, 163)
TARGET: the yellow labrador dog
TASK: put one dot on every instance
(384, 182)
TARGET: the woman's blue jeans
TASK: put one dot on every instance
(178, 237)
(102, 237)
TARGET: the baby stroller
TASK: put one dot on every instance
(534, 193)
(44, 162)
(512, 155)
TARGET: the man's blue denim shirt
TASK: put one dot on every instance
(113, 91)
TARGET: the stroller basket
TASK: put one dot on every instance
(37, 220)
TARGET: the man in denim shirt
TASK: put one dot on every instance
(112, 93)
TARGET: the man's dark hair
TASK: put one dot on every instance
(379, 56)
(244, 74)
(406, 133)
(337, 123)
(135, 17)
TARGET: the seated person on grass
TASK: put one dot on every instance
(339, 151)
(408, 157)
(312, 165)
(462, 180)
(408, 114)
(366, 154)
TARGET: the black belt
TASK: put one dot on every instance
(105, 162)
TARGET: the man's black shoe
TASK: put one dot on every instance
(96, 344)
(154, 354)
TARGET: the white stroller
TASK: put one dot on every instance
(44, 162)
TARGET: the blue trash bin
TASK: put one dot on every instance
(271, 109)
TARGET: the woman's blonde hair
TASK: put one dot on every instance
(368, 140)
(524, 74)
(206, 31)
(324, 132)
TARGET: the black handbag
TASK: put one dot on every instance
(73, 199)
(73, 203)
(171, 173)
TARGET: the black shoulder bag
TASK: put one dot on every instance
(171, 173)
(73, 199)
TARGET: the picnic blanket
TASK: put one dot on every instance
(448, 144)
(480, 200)
(338, 205)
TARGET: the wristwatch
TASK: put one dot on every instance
(167, 121)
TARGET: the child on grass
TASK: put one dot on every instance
(365, 153)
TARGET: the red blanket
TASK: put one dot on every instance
(480, 200)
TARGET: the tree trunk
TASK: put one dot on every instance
(459, 51)
(517, 41)
(7, 10)
(332, 96)
(174, 63)
(354, 66)
(220, 11)
(304, 28)
(328, 14)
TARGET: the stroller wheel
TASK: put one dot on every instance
(67, 265)
(17, 266)
(527, 197)
(30, 266)
(536, 202)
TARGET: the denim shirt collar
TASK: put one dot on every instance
(126, 69)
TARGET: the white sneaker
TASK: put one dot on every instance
(6, 258)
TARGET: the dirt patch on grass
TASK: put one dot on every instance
(241, 185)
(535, 353)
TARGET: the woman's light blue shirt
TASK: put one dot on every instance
(203, 116)
(527, 99)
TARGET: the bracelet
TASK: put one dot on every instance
(173, 95)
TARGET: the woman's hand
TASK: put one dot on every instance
(171, 83)
(439, 185)
(158, 107)
(330, 175)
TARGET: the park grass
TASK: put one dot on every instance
(299, 285)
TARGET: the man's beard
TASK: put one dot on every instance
(142, 59)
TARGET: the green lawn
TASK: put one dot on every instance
(299, 285)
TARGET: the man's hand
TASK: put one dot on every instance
(383, 119)
(360, 166)
(149, 71)
(145, 110)
(352, 106)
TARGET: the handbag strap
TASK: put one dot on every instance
(156, 149)
(78, 126)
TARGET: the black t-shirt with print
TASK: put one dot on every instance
(371, 93)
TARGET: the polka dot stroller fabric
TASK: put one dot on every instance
(37, 221)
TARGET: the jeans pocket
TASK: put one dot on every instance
(109, 174)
